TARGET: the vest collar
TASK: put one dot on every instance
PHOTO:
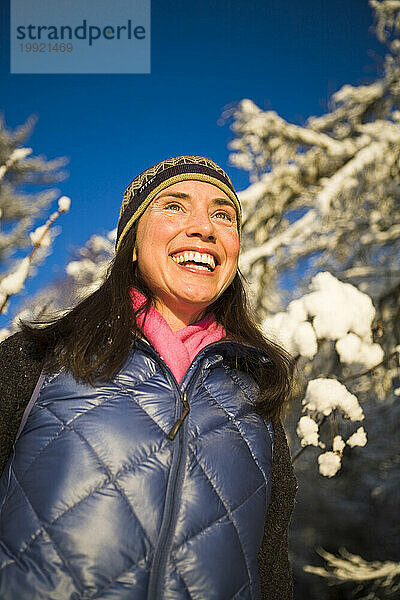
(223, 348)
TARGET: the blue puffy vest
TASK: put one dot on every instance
(103, 498)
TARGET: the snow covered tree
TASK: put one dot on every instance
(84, 274)
(20, 209)
(325, 193)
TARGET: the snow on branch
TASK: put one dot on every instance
(343, 168)
(351, 567)
(12, 283)
(387, 13)
(291, 234)
(16, 155)
(346, 177)
(331, 311)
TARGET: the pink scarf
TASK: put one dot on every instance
(176, 348)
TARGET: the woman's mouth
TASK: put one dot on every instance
(195, 260)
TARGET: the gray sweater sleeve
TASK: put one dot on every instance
(273, 557)
(20, 368)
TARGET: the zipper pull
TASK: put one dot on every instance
(174, 430)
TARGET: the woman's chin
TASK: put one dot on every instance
(196, 301)
(184, 303)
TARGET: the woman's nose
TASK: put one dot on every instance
(201, 226)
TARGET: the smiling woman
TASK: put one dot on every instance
(187, 246)
(143, 451)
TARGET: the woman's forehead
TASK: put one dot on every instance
(191, 189)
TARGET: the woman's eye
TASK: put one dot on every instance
(173, 206)
(224, 215)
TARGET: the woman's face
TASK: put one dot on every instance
(187, 247)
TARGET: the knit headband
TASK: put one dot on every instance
(145, 187)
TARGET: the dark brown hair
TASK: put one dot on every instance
(95, 337)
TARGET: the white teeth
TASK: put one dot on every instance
(199, 267)
(207, 258)
(178, 258)
(190, 255)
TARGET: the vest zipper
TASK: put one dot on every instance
(174, 486)
(174, 430)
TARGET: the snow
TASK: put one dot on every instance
(305, 340)
(16, 154)
(346, 178)
(307, 430)
(112, 235)
(36, 236)
(338, 308)
(298, 338)
(14, 282)
(354, 350)
(338, 444)
(329, 463)
(64, 203)
(80, 268)
(4, 333)
(359, 438)
(339, 311)
(20, 154)
(325, 395)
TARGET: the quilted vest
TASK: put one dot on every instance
(103, 498)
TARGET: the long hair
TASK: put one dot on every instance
(94, 338)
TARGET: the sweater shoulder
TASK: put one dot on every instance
(19, 361)
(20, 367)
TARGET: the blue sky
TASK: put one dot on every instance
(285, 55)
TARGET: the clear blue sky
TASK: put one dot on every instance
(285, 55)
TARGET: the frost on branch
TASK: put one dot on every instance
(351, 567)
(41, 238)
(16, 155)
(89, 269)
(41, 235)
(14, 281)
(387, 18)
(18, 168)
(19, 210)
(84, 275)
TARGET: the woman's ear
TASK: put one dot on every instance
(134, 256)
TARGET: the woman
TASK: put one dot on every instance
(138, 429)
